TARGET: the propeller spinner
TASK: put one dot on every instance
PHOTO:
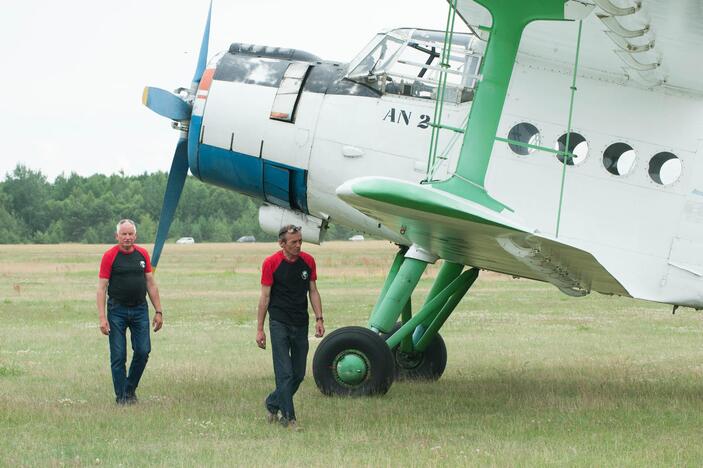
(178, 108)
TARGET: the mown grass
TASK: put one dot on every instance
(533, 378)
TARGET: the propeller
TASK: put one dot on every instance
(166, 103)
(179, 109)
(176, 179)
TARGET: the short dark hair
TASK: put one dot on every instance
(287, 229)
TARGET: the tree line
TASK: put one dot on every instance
(85, 209)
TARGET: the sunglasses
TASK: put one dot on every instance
(289, 230)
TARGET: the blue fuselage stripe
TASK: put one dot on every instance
(256, 177)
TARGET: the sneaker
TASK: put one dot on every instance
(293, 426)
(290, 424)
(271, 417)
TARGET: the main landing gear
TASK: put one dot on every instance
(360, 361)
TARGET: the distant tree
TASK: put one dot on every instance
(338, 232)
(86, 209)
(28, 193)
(92, 236)
(12, 231)
(221, 231)
(54, 234)
(146, 229)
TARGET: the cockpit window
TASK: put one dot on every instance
(380, 56)
(407, 62)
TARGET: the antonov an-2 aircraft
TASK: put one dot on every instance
(559, 141)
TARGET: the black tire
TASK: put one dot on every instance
(363, 343)
(427, 365)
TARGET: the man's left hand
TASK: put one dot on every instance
(319, 329)
(158, 322)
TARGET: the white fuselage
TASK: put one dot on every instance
(647, 235)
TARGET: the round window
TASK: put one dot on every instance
(665, 168)
(525, 133)
(619, 158)
(578, 146)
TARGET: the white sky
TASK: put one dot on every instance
(73, 71)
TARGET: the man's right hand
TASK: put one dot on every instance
(261, 339)
(104, 327)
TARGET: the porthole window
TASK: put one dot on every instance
(578, 146)
(524, 133)
(664, 168)
(619, 158)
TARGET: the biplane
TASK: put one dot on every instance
(558, 141)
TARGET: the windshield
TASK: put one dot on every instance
(378, 54)
(407, 62)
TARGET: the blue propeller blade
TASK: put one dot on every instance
(165, 103)
(174, 187)
(169, 105)
(202, 58)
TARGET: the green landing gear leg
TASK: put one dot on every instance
(426, 359)
(364, 361)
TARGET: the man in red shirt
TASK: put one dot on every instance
(125, 278)
(287, 278)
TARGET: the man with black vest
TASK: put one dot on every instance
(287, 278)
(125, 278)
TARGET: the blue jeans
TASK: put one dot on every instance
(120, 319)
(289, 348)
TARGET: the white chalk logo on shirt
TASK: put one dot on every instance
(304, 274)
(142, 264)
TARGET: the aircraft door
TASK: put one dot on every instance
(285, 186)
(277, 185)
(288, 139)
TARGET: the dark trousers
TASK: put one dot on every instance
(120, 319)
(289, 348)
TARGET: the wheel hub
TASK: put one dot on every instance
(351, 368)
(408, 360)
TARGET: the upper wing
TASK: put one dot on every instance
(465, 232)
(651, 43)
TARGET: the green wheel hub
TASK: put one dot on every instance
(353, 361)
(351, 368)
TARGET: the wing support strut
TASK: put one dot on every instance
(439, 103)
(567, 146)
(509, 19)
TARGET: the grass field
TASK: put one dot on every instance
(533, 378)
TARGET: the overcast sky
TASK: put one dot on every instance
(73, 71)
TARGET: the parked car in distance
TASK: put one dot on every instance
(185, 240)
(357, 237)
(246, 239)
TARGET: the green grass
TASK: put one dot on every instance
(533, 378)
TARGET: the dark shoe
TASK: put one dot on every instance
(131, 399)
(283, 421)
(271, 416)
(121, 401)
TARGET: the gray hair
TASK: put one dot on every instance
(125, 221)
